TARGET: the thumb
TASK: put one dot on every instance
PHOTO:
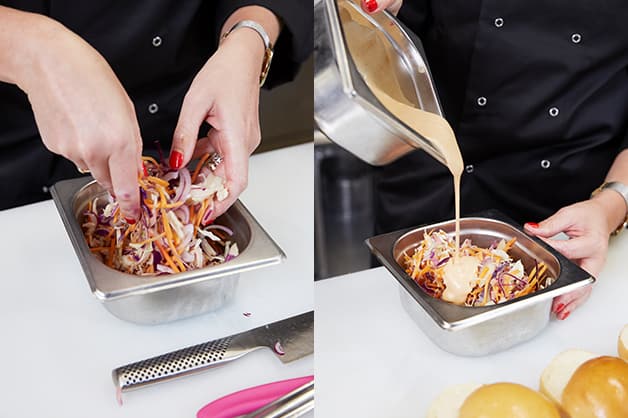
(193, 112)
(559, 222)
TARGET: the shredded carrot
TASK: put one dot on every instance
(509, 244)
(199, 216)
(484, 271)
(159, 181)
(166, 257)
(167, 228)
(116, 214)
(112, 249)
(130, 229)
(146, 241)
(199, 165)
(150, 159)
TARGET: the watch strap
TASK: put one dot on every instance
(268, 46)
(622, 189)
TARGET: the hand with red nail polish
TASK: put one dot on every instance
(581, 233)
(563, 315)
(176, 160)
(373, 6)
(81, 109)
(225, 94)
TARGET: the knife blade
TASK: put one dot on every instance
(290, 339)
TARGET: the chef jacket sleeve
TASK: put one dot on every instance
(295, 42)
(415, 14)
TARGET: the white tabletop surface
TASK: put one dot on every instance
(373, 361)
(59, 345)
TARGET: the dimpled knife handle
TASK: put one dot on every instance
(179, 363)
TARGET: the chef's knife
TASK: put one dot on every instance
(290, 339)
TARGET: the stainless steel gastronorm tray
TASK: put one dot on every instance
(478, 331)
(157, 299)
(345, 108)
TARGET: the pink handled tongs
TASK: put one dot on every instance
(252, 399)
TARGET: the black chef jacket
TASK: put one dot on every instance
(155, 47)
(537, 94)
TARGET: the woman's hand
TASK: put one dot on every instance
(374, 6)
(80, 107)
(225, 94)
(588, 225)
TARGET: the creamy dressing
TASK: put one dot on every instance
(459, 278)
(375, 63)
(368, 50)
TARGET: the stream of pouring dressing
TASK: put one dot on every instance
(373, 60)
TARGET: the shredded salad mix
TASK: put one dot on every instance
(174, 233)
(498, 278)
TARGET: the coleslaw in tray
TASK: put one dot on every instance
(175, 232)
(494, 276)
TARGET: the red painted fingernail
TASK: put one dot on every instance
(564, 315)
(130, 221)
(176, 160)
(560, 307)
(145, 169)
(371, 5)
(532, 224)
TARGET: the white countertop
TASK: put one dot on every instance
(59, 345)
(372, 360)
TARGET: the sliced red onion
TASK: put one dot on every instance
(202, 175)
(220, 227)
(185, 183)
(515, 278)
(187, 257)
(171, 175)
(163, 269)
(443, 261)
(207, 216)
(207, 249)
(184, 214)
(188, 232)
(156, 258)
(279, 349)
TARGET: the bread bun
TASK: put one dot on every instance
(448, 403)
(558, 372)
(622, 343)
(507, 400)
(598, 389)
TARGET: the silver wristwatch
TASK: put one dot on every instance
(268, 46)
(622, 189)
